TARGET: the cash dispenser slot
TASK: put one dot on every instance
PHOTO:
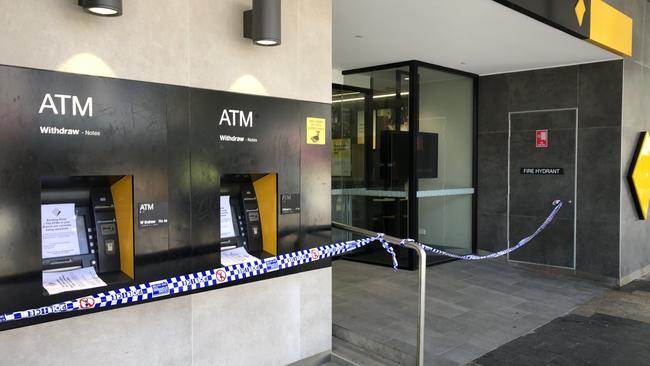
(81, 226)
(249, 213)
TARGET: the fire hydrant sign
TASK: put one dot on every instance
(541, 139)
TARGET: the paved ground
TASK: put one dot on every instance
(611, 329)
(472, 308)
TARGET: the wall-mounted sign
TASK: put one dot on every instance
(542, 171)
(639, 176)
(541, 139)
(236, 126)
(289, 203)
(341, 157)
(153, 214)
(59, 114)
(316, 131)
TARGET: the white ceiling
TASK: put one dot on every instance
(478, 36)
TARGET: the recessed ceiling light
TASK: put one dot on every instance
(106, 8)
(358, 36)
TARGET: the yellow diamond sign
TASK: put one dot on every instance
(639, 176)
(581, 9)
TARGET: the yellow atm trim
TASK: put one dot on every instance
(641, 176)
(122, 192)
(610, 28)
(266, 190)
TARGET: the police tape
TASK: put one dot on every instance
(237, 272)
(194, 281)
(471, 257)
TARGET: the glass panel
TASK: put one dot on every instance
(370, 166)
(445, 160)
(348, 155)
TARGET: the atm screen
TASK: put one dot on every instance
(227, 222)
(63, 232)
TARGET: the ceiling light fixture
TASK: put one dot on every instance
(263, 23)
(105, 8)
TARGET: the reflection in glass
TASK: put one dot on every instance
(373, 142)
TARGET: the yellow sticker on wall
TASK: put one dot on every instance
(316, 131)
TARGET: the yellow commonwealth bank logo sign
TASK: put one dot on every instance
(581, 10)
(639, 175)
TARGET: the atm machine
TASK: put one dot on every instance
(240, 214)
(79, 227)
(249, 213)
(96, 228)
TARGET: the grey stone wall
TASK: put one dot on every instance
(595, 90)
(635, 233)
(272, 322)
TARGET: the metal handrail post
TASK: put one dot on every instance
(422, 278)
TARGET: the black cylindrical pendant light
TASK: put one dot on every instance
(106, 8)
(263, 24)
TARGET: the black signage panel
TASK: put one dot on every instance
(153, 214)
(571, 16)
(176, 143)
(290, 203)
(542, 171)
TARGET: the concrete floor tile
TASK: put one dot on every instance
(472, 307)
(464, 353)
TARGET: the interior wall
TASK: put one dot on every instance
(635, 233)
(194, 43)
(595, 90)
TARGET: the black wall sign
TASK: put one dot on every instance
(542, 171)
(571, 16)
(152, 214)
(290, 203)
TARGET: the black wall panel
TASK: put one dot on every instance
(169, 139)
(594, 90)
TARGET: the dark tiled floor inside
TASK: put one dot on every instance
(472, 307)
(611, 329)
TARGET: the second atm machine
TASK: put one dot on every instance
(248, 215)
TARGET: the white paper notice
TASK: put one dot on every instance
(78, 279)
(59, 231)
(227, 226)
(236, 256)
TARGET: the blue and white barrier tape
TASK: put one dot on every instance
(471, 257)
(194, 281)
(216, 277)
